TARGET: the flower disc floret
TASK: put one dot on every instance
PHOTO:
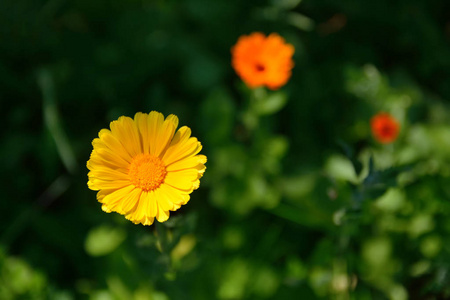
(147, 172)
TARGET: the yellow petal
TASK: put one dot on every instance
(182, 135)
(148, 221)
(97, 184)
(187, 163)
(165, 134)
(162, 215)
(110, 141)
(152, 205)
(108, 174)
(196, 184)
(182, 180)
(140, 215)
(115, 203)
(106, 154)
(96, 162)
(125, 130)
(103, 193)
(105, 208)
(164, 203)
(200, 169)
(177, 197)
(155, 121)
(129, 202)
(181, 147)
(111, 200)
(143, 127)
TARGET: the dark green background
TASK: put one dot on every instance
(284, 210)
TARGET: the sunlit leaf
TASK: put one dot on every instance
(103, 240)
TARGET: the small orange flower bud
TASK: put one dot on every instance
(385, 128)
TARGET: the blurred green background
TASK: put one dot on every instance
(298, 201)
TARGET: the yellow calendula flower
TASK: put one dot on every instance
(143, 168)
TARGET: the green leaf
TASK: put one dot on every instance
(103, 240)
(286, 4)
(340, 168)
(391, 201)
(271, 104)
(300, 21)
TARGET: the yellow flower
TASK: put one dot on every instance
(143, 169)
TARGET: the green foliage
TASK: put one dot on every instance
(298, 200)
(103, 240)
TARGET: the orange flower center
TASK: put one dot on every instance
(259, 67)
(387, 130)
(147, 172)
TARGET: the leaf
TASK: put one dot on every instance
(348, 151)
(271, 104)
(103, 240)
(300, 21)
(340, 168)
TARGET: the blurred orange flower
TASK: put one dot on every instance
(261, 60)
(385, 128)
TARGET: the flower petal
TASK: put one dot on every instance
(103, 193)
(107, 174)
(154, 123)
(129, 202)
(112, 143)
(181, 147)
(141, 120)
(98, 184)
(96, 161)
(111, 156)
(177, 196)
(182, 180)
(165, 134)
(152, 205)
(112, 199)
(141, 215)
(164, 201)
(162, 215)
(187, 163)
(125, 130)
